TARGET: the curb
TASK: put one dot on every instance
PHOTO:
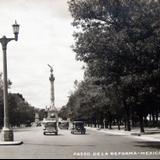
(11, 143)
(134, 135)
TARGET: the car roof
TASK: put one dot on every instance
(49, 122)
(63, 121)
(78, 122)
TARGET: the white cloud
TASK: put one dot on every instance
(45, 37)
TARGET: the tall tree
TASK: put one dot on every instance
(119, 42)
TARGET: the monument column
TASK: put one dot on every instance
(52, 78)
(52, 111)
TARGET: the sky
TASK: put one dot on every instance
(45, 38)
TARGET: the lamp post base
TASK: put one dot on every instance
(7, 135)
(7, 138)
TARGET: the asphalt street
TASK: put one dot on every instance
(67, 146)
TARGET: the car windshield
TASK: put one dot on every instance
(78, 124)
(50, 124)
(64, 123)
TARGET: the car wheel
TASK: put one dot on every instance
(44, 133)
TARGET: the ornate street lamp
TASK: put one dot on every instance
(7, 132)
(16, 30)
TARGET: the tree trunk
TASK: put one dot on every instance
(157, 118)
(154, 121)
(110, 122)
(95, 124)
(110, 125)
(98, 124)
(119, 125)
(128, 124)
(141, 124)
(106, 125)
(150, 118)
(146, 121)
(101, 120)
(125, 125)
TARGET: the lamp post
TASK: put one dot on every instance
(7, 132)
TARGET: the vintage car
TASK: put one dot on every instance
(64, 125)
(78, 127)
(50, 127)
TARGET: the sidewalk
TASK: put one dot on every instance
(151, 134)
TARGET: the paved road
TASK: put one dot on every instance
(64, 146)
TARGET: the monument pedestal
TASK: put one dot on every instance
(53, 115)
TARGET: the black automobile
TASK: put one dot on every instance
(50, 127)
(78, 127)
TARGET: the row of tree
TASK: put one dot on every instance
(20, 111)
(119, 42)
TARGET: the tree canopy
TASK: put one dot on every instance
(119, 41)
(20, 111)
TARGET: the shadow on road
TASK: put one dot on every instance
(152, 132)
(59, 145)
(23, 130)
(79, 134)
(114, 135)
(53, 135)
(152, 145)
